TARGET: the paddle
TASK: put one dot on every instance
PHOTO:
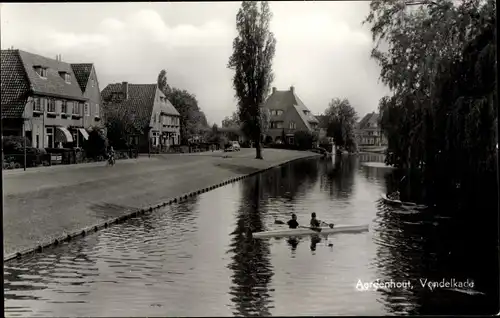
(317, 229)
(330, 225)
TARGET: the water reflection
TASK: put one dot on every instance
(251, 266)
(195, 257)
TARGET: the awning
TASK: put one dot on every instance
(84, 133)
(63, 135)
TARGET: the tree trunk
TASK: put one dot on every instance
(258, 150)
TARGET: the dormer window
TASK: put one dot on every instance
(40, 70)
(66, 76)
(306, 112)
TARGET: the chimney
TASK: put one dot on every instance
(274, 90)
(125, 90)
(292, 89)
(57, 57)
(60, 58)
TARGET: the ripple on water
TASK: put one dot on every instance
(195, 259)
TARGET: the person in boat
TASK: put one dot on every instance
(314, 221)
(292, 223)
(394, 196)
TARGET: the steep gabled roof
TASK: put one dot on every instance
(371, 118)
(53, 84)
(138, 105)
(170, 109)
(15, 85)
(288, 100)
(82, 72)
(323, 121)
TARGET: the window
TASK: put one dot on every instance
(159, 117)
(37, 106)
(64, 107)
(97, 110)
(87, 109)
(92, 80)
(306, 112)
(76, 109)
(67, 78)
(42, 71)
(49, 133)
(51, 106)
(292, 125)
(276, 124)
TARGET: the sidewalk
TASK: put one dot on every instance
(39, 207)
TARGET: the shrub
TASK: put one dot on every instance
(97, 143)
(304, 140)
(14, 144)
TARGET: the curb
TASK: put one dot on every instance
(67, 237)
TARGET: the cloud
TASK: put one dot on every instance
(322, 48)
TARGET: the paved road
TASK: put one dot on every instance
(43, 203)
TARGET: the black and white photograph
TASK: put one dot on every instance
(250, 158)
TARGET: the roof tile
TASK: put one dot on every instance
(285, 100)
(15, 85)
(82, 72)
(54, 84)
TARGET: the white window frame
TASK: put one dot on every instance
(97, 111)
(292, 125)
(64, 104)
(49, 131)
(93, 82)
(53, 103)
(41, 71)
(37, 104)
(86, 108)
(67, 78)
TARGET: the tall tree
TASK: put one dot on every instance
(438, 63)
(192, 118)
(232, 121)
(342, 119)
(253, 53)
(163, 83)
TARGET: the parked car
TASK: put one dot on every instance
(233, 146)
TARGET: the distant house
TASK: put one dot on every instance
(368, 131)
(288, 114)
(323, 127)
(156, 120)
(42, 99)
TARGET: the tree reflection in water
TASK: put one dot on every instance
(337, 176)
(419, 247)
(251, 266)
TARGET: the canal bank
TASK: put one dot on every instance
(50, 207)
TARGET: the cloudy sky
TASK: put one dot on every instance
(322, 47)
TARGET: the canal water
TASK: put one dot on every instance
(197, 258)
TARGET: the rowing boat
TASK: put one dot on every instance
(407, 205)
(307, 231)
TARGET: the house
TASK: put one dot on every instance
(289, 114)
(323, 128)
(369, 133)
(86, 76)
(41, 98)
(156, 121)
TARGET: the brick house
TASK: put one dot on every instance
(41, 98)
(155, 120)
(369, 133)
(288, 113)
